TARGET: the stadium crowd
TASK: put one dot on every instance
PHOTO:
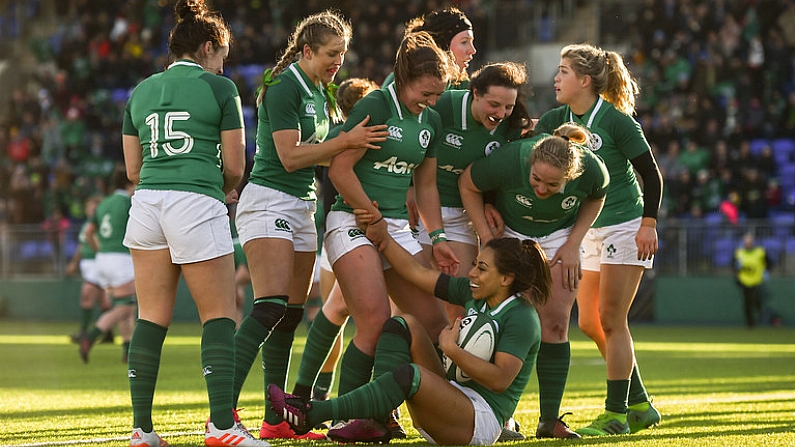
(717, 80)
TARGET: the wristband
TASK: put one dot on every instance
(438, 236)
(377, 220)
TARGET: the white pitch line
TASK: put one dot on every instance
(97, 440)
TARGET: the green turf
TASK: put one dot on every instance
(714, 386)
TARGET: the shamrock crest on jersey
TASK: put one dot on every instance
(595, 142)
(491, 147)
(425, 138)
(569, 202)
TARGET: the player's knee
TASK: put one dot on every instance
(292, 318)
(398, 326)
(407, 377)
(269, 310)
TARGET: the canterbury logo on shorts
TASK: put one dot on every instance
(282, 225)
(355, 233)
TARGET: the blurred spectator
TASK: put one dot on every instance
(766, 163)
(668, 161)
(18, 148)
(695, 158)
(752, 190)
(707, 191)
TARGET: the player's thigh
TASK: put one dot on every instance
(334, 308)
(156, 280)
(412, 300)
(90, 293)
(617, 289)
(430, 410)
(423, 352)
(588, 298)
(125, 289)
(466, 254)
(327, 283)
(271, 264)
(361, 281)
(303, 274)
(212, 285)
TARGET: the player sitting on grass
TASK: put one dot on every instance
(509, 277)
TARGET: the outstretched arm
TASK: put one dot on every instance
(294, 155)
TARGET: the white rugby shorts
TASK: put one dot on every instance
(343, 236)
(269, 213)
(194, 227)
(458, 227)
(487, 428)
(614, 244)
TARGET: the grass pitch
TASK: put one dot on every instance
(715, 387)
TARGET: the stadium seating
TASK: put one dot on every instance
(724, 251)
(784, 150)
(758, 144)
(252, 74)
(773, 246)
(783, 223)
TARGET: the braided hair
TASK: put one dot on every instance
(315, 31)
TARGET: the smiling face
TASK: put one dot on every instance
(546, 179)
(422, 92)
(568, 84)
(493, 106)
(323, 64)
(463, 48)
(485, 280)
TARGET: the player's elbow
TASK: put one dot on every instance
(290, 166)
(500, 385)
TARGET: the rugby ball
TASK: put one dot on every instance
(478, 336)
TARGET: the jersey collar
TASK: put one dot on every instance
(591, 116)
(185, 62)
(466, 113)
(500, 307)
(398, 105)
(301, 77)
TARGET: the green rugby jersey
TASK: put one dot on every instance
(617, 138)
(110, 219)
(465, 140)
(518, 334)
(178, 115)
(508, 172)
(86, 252)
(385, 174)
(293, 102)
